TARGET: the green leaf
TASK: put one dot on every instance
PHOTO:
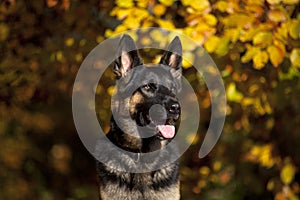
(287, 174)
(232, 94)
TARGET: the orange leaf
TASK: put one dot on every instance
(159, 9)
(51, 3)
(65, 4)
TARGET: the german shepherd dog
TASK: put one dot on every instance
(148, 114)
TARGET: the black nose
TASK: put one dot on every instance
(174, 108)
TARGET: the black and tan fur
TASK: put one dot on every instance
(160, 184)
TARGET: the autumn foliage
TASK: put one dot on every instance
(255, 44)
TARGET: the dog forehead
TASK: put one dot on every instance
(156, 73)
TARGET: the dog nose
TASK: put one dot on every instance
(174, 108)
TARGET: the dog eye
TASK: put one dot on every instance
(147, 87)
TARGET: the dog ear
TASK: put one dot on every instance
(127, 56)
(172, 57)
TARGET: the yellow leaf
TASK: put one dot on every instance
(238, 20)
(108, 33)
(294, 29)
(291, 2)
(217, 165)
(276, 55)
(186, 2)
(287, 173)
(276, 15)
(186, 44)
(146, 41)
(262, 39)
(272, 2)
(260, 59)
(59, 56)
(247, 35)
(223, 46)
(265, 157)
(232, 94)
(211, 44)
(165, 24)
(210, 19)
(120, 13)
(99, 38)
(188, 60)
(69, 42)
(255, 9)
(295, 57)
(123, 27)
(125, 3)
(233, 34)
(250, 54)
(222, 6)
(167, 2)
(158, 36)
(111, 90)
(159, 9)
(253, 88)
(4, 32)
(142, 3)
(248, 101)
(282, 31)
(204, 171)
(270, 185)
(200, 5)
(82, 42)
(139, 13)
(78, 57)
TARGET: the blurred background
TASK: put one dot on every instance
(255, 44)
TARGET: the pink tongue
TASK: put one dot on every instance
(167, 131)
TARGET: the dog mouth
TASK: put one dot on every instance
(166, 131)
(164, 128)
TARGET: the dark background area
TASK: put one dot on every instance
(255, 44)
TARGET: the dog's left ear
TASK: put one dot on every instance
(173, 58)
(128, 56)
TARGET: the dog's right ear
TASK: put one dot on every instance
(127, 57)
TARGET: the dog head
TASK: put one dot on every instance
(145, 103)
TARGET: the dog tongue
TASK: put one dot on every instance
(167, 131)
